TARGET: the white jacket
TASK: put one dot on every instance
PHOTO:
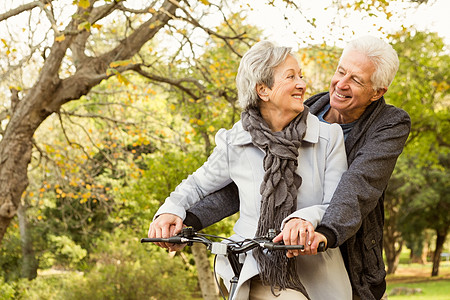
(321, 162)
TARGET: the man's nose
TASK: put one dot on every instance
(343, 82)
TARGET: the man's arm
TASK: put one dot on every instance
(362, 185)
(224, 203)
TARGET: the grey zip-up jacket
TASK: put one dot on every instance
(355, 218)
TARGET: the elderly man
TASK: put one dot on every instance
(375, 134)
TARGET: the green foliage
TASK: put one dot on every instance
(421, 88)
(142, 196)
(65, 251)
(7, 291)
(11, 255)
(123, 269)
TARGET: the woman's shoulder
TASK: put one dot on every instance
(317, 130)
(234, 136)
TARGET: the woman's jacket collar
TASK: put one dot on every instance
(240, 137)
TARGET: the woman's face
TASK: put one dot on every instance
(285, 98)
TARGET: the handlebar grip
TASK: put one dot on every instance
(172, 240)
(272, 246)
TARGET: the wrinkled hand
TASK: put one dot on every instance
(300, 232)
(165, 226)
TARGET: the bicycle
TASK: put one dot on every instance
(230, 249)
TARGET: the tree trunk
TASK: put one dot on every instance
(440, 239)
(392, 255)
(29, 262)
(205, 276)
(15, 154)
(417, 257)
(392, 239)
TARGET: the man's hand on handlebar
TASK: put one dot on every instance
(300, 232)
(165, 226)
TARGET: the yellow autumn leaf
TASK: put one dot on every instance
(84, 3)
(60, 38)
(85, 25)
(120, 63)
(206, 2)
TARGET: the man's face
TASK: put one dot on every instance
(351, 89)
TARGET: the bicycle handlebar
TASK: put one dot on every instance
(189, 236)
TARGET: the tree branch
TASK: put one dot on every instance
(173, 82)
(50, 18)
(90, 116)
(190, 19)
(141, 35)
(18, 10)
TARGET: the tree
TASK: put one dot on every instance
(419, 184)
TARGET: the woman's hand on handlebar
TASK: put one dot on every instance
(165, 226)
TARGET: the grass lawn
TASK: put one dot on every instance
(416, 276)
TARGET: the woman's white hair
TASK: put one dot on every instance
(257, 67)
(381, 54)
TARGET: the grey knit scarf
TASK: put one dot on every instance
(279, 192)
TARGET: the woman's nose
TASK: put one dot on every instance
(300, 85)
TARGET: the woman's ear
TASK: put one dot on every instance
(261, 90)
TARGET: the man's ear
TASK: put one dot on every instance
(261, 89)
(378, 94)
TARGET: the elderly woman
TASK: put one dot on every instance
(286, 165)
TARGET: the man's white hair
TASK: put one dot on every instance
(381, 54)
